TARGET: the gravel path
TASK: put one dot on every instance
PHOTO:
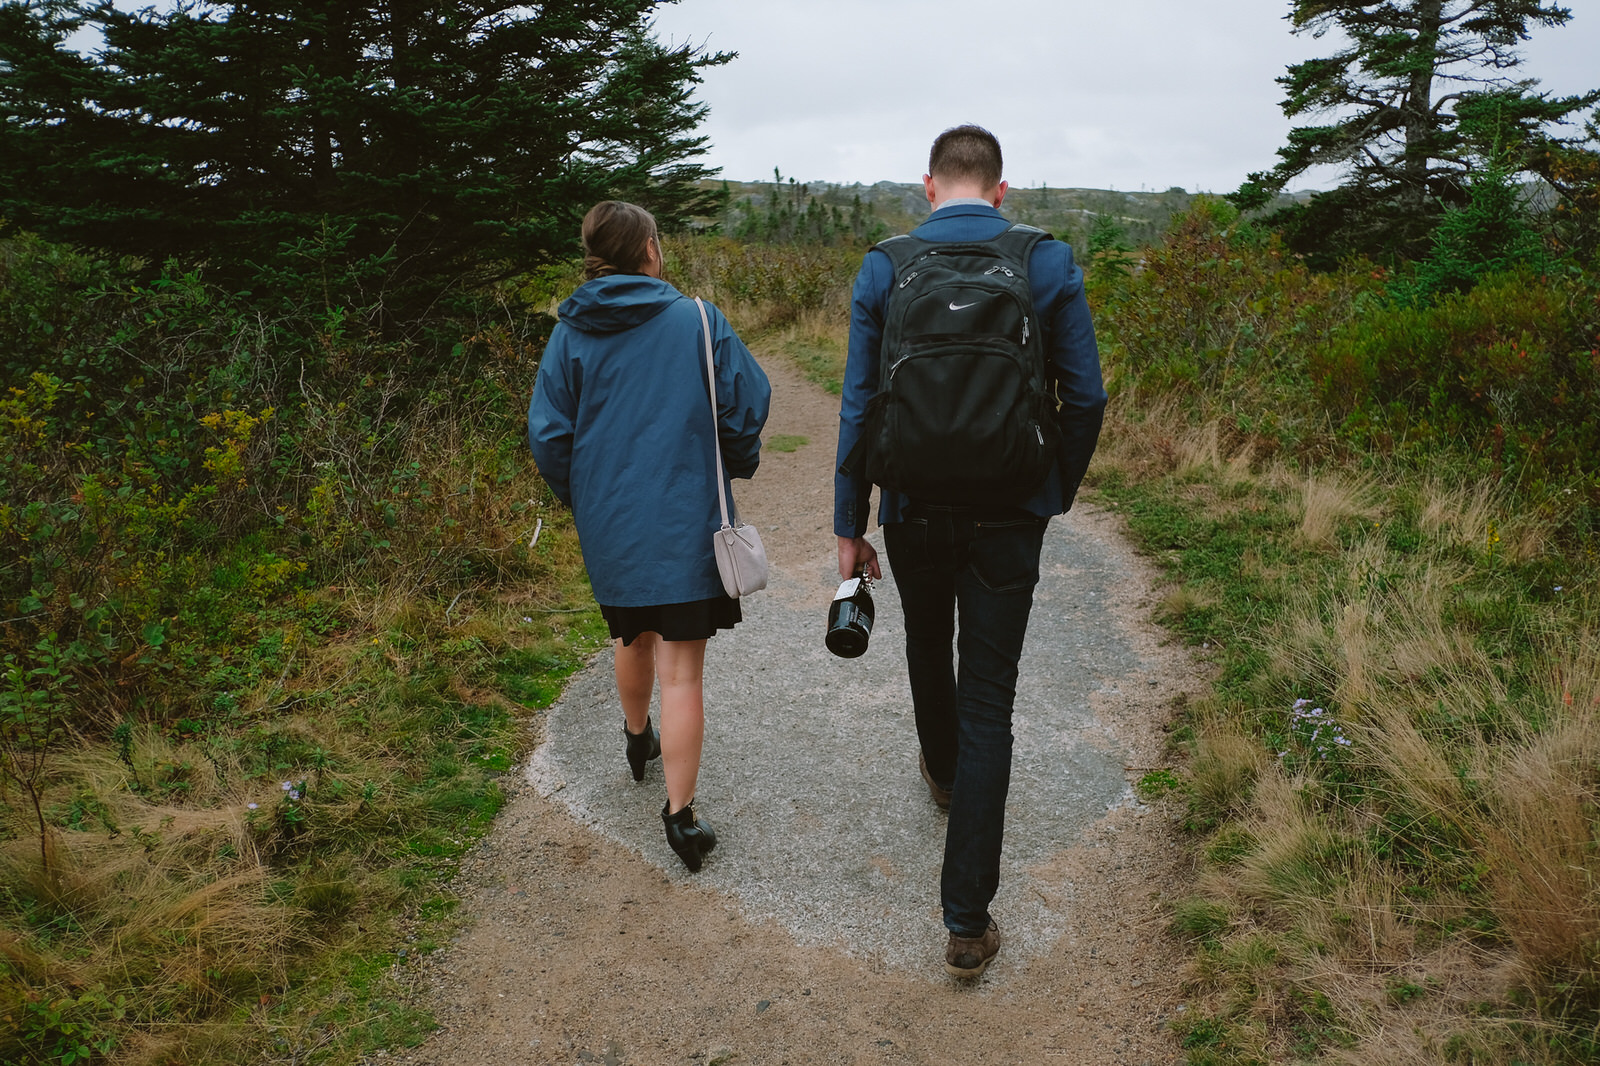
(812, 935)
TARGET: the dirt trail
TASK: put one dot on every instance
(587, 943)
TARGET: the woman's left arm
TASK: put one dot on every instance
(743, 398)
(552, 418)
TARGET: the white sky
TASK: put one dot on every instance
(1123, 94)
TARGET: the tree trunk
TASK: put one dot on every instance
(1418, 108)
(320, 120)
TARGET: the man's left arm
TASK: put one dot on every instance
(1075, 359)
(852, 491)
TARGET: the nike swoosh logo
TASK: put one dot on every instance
(962, 307)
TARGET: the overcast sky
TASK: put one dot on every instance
(1123, 94)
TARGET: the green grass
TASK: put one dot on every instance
(1156, 783)
(535, 676)
(820, 359)
(786, 442)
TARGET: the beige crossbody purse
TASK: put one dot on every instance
(741, 560)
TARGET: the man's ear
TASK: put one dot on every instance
(927, 184)
(1000, 193)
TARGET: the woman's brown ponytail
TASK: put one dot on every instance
(614, 238)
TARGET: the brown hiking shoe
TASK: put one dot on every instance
(941, 796)
(968, 956)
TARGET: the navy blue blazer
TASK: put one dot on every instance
(1074, 357)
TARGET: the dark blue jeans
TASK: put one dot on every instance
(981, 564)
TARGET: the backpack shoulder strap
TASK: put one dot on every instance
(901, 249)
(1017, 242)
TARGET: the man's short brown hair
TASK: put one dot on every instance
(966, 153)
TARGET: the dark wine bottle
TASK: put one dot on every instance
(850, 618)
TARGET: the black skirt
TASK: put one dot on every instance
(696, 620)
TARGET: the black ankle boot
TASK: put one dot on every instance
(642, 747)
(691, 838)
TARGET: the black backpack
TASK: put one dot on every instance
(964, 408)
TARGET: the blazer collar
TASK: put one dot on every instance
(964, 210)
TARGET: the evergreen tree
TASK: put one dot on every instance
(395, 147)
(1107, 249)
(1573, 169)
(794, 214)
(1396, 98)
(1488, 234)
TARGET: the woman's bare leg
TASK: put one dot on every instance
(636, 676)
(680, 665)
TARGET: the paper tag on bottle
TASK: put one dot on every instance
(848, 589)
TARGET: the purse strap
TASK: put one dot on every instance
(716, 423)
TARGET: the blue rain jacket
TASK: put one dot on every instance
(620, 425)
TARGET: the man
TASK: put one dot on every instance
(980, 561)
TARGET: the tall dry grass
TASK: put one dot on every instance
(1439, 874)
(1523, 790)
(1328, 501)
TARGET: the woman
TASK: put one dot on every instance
(621, 428)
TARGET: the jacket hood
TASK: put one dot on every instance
(617, 302)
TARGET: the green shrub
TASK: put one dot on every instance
(181, 470)
(1219, 306)
(1508, 371)
(787, 279)
(69, 1030)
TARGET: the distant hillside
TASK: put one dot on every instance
(1067, 213)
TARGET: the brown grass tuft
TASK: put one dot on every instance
(1458, 515)
(1539, 837)
(1295, 845)
(1200, 450)
(23, 961)
(1224, 772)
(1204, 450)
(1476, 518)
(1140, 439)
(1327, 501)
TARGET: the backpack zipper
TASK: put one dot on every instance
(908, 278)
(1024, 331)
